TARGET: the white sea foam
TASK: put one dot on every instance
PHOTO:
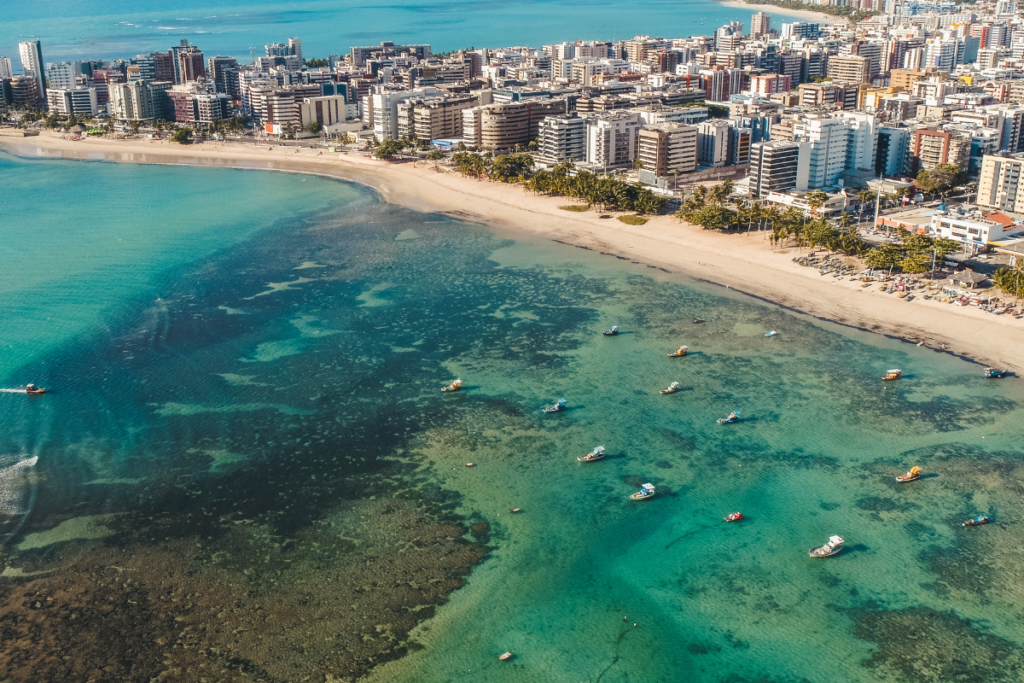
(11, 480)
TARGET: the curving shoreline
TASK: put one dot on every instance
(742, 262)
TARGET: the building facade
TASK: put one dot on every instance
(667, 148)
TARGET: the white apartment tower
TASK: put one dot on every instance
(760, 25)
(829, 141)
(999, 184)
(31, 52)
(612, 138)
(5, 68)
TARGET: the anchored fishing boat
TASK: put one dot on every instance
(733, 417)
(592, 456)
(833, 547)
(892, 375)
(698, 321)
(913, 475)
(977, 521)
(646, 491)
(678, 354)
(33, 389)
(734, 517)
(672, 388)
(612, 332)
(992, 373)
(454, 386)
(558, 407)
(514, 510)
(505, 657)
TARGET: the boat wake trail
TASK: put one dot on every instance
(16, 498)
(12, 391)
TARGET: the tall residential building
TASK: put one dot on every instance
(775, 167)
(668, 147)
(433, 118)
(25, 92)
(62, 74)
(1000, 183)
(561, 138)
(140, 101)
(893, 148)
(327, 111)
(929, 148)
(163, 66)
(383, 105)
(800, 30)
(360, 55)
(714, 138)
(32, 64)
(223, 71)
(612, 138)
(146, 68)
(295, 48)
(190, 64)
(77, 101)
(829, 140)
(862, 144)
(851, 69)
(5, 68)
(760, 25)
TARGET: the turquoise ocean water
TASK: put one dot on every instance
(236, 393)
(95, 29)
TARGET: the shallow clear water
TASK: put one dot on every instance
(260, 414)
(118, 29)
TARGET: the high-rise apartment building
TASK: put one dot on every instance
(612, 138)
(63, 75)
(32, 65)
(714, 138)
(775, 167)
(77, 101)
(433, 118)
(760, 25)
(191, 66)
(1000, 184)
(140, 101)
(850, 69)
(892, 151)
(829, 140)
(668, 147)
(561, 138)
(929, 148)
(5, 68)
(223, 71)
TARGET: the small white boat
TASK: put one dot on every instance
(454, 386)
(833, 547)
(733, 417)
(596, 454)
(646, 491)
(505, 657)
(557, 408)
(770, 334)
(672, 388)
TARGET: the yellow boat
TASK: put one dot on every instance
(912, 475)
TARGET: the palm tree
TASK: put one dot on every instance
(816, 200)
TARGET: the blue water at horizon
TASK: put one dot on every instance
(96, 29)
(268, 357)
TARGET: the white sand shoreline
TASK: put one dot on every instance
(744, 262)
(819, 17)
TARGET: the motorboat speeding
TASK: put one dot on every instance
(992, 373)
(646, 491)
(32, 389)
(892, 375)
(734, 517)
(913, 475)
(596, 454)
(833, 547)
(612, 332)
(733, 417)
(672, 388)
(557, 408)
(977, 521)
(678, 354)
(454, 386)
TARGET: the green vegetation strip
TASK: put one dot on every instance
(633, 220)
(578, 208)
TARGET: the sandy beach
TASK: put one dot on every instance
(742, 262)
(820, 17)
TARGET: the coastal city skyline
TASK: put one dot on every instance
(375, 344)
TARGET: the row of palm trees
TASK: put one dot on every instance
(600, 192)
